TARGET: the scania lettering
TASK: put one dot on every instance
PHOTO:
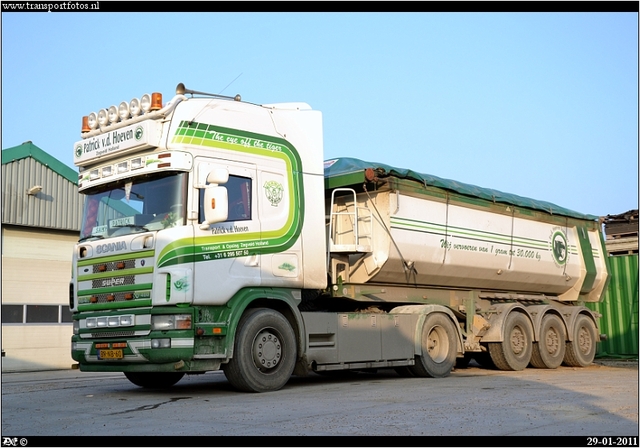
(103, 248)
(215, 236)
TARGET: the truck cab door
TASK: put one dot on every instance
(224, 259)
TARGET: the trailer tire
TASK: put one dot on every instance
(439, 342)
(549, 351)
(514, 352)
(264, 353)
(154, 380)
(582, 350)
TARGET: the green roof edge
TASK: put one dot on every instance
(28, 149)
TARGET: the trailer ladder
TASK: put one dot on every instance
(350, 226)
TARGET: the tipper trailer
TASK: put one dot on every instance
(214, 236)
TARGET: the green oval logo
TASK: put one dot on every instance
(559, 247)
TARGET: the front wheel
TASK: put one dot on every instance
(439, 342)
(154, 380)
(264, 353)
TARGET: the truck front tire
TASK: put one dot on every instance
(264, 354)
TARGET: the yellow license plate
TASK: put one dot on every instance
(110, 354)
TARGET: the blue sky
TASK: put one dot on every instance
(543, 105)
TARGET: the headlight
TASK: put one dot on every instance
(134, 107)
(145, 103)
(161, 343)
(171, 322)
(103, 117)
(123, 110)
(112, 114)
(76, 327)
(110, 321)
(93, 120)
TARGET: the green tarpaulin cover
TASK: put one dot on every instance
(345, 167)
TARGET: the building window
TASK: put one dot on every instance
(66, 315)
(12, 314)
(42, 314)
(36, 314)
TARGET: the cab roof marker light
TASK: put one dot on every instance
(85, 124)
(123, 167)
(137, 163)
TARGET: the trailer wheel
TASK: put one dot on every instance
(154, 380)
(514, 352)
(548, 353)
(438, 347)
(581, 351)
(264, 353)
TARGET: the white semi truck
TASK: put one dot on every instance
(214, 236)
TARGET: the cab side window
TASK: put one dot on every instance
(239, 193)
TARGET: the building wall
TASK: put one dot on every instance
(619, 308)
(36, 347)
(36, 322)
(57, 206)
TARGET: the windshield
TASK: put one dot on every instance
(133, 205)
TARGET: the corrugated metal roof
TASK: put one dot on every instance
(619, 308)
(58, 205)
